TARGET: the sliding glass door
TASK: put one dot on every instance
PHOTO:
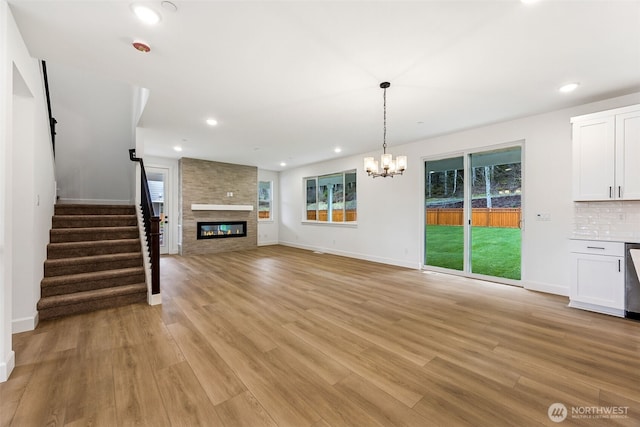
(496, 190)
(444, 196)
(473, 213)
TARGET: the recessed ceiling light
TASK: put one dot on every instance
(177, 148)
(171, 7)
(212, 122)
(146, 15)
(283, 164)
(337, 150)
(569, 87)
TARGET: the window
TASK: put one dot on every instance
(331, 198)
(264, 200)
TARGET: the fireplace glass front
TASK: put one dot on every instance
(221, 229)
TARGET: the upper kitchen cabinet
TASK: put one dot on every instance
(606, 155)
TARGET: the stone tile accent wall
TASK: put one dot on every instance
(607, 220)
(205, 182)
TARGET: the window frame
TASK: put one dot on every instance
(315, 218)
(270, 218)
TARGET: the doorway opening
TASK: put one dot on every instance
(158, 183)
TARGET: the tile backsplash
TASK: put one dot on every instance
(619, 220)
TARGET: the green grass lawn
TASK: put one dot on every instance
(495, 251)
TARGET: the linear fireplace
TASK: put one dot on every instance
(221, 229)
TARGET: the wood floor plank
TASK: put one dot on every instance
(382, 407)
(91, 396)
(11, 392)
(376, 336)
(184, 399)
(47, 392)
(138, 399)
(279, 336)
(244, 410)
(215, 376)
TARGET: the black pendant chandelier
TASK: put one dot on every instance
(387, 166)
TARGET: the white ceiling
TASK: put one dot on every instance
(291, 80)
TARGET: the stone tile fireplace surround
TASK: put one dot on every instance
(204, 182)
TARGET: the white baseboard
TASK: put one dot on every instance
(64, 200)
(547, 288)
(24, 324)
(155, 299)
(618, 312)
(268, 243)
(365, 257)
(6, 366)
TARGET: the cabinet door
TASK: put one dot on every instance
(594, 159)
(628, 156)
(598, 280)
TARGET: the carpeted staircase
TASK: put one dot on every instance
(94, 260)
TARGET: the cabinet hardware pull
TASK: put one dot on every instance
(619, 270)
(595, 247)
(619, 191)
(610, 192)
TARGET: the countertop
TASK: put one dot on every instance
(607, 239)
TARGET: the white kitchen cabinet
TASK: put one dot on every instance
(606, 155)
(628, 155)
(597, 276)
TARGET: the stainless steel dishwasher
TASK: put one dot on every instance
(631, 281)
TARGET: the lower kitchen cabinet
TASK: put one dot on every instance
(597, 276)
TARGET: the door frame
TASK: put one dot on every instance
(467, 214)
(169, 203)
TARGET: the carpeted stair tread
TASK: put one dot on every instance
(85, 221)
(89, 209)
(97, 294)
(89, 248)
(79, 234)
(82, 302)
(85, 264)
(115, 274)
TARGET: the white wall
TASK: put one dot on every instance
(391, 213)
(268, 229)
(7, 358)
(27, 186)
(96, 128)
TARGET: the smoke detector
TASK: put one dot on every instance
(141, 46)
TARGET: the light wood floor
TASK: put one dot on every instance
(284, 337)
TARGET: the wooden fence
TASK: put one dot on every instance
(337, 215)
(480, 217)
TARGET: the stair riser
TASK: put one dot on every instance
(69, 235)
(94, 210)
(54, 252)
(90, 285)
(88, 306)
(51, 269)
(89, 222)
